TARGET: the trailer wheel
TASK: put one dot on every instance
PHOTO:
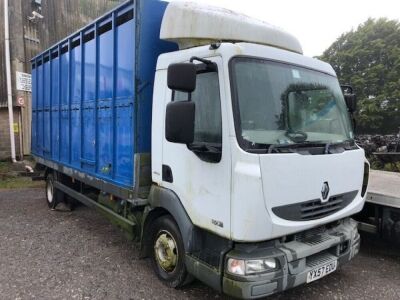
(168, 253)
(53, 196)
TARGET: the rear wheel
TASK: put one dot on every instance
(168, 253)
(53, 195)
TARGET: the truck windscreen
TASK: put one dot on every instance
(283, 104)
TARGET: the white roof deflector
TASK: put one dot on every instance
(191, 24)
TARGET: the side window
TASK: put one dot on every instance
(208, 120)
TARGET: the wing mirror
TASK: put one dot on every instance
(180, 115)
(179, 122)
(182, 77)
(350, 98)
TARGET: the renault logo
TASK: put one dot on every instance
(325, 192)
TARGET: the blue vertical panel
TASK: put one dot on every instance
(76, 63)
(55, 102)
(125, 87)
(105, 89)
(60, 84)
(64, 130)
(40, 110)
(113, 104)
(148, 48)
(88, 113)
(46, 110)
(34, 109)
(96, 99)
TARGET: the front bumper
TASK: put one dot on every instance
(307, 251)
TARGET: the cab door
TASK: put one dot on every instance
(199, 173)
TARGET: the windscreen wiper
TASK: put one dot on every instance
(296, 136)
(296, 145)
(274, 148)
(343, 143)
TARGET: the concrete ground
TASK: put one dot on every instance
(79, 255)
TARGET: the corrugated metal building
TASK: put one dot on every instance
(31, 33)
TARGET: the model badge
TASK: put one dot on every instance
(325, 192)
(217, 223)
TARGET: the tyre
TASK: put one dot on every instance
(168, 253)
(53, 196)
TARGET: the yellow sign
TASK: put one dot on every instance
(16, 128)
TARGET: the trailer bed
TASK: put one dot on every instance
(384, 188)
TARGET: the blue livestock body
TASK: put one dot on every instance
(92, 93)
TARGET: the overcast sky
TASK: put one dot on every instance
(316, 23)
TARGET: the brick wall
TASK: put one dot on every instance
(5, 150)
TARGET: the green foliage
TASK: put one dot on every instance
(369, 59)
(19, 183)
(4, 167)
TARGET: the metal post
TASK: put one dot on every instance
(43, 145)
(59, 100)
(51, 102)
(96, 99)
(114, 95)
(36, 91)
(70, 100)
(82, 148)
(8, 76)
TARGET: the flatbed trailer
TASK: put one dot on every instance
(381, 214)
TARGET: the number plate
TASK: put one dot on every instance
(322, 271)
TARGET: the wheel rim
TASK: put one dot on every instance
(166, 251)
(49, 191)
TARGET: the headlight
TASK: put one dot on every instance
(251, 267)
(236, 266)
(260, 265)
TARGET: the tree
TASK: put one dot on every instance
(369, 59)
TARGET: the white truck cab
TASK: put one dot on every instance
(257, 145)
(250, 176)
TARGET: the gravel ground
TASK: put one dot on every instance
(79, 255)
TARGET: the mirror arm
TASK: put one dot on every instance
(209, 65)
(204, 61)
(174, 93)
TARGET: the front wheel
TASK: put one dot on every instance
(53, 195)
(168, 253)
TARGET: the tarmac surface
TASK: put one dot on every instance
(79, 255)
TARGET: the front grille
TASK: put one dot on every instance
(309, 234)
(314, 209)
(320, 259)
(315, 240)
